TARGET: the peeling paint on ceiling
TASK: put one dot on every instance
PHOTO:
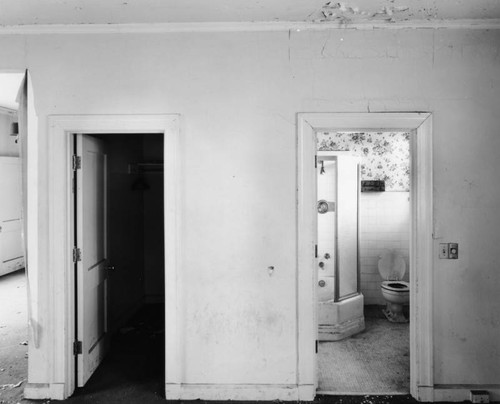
(33, 12)
(343, 13)
(392, 11)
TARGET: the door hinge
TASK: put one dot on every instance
(77, 348)
(77, 254)
(316, 347)
(315, 251)
(76, 162)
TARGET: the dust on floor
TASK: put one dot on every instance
(13, 337)
(375, 361)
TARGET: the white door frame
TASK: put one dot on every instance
(421, 242)
(62, 309)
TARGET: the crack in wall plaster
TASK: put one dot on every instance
(433, 46)
(289, 40)
(326, 42)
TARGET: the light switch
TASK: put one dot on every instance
(443, 251)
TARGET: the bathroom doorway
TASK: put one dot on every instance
(419, 125)
(119, 269)
(364, 178)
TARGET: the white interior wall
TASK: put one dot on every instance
(238, 94)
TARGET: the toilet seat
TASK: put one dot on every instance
(396, 286)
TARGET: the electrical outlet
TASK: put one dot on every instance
(443, 251)
(453, 251)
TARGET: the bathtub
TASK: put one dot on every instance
(338, 320)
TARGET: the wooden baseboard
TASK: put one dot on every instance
(240, 392)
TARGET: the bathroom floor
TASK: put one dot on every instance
(375, 361)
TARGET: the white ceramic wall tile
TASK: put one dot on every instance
(384, 224)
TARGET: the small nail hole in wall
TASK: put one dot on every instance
(270, 269)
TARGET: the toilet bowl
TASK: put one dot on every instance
(396, 292)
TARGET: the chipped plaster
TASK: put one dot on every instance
(34, 12)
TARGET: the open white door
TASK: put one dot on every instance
(91, 256)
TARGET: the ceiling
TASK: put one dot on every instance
(42, 12)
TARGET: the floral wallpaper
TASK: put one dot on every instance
(385, 155)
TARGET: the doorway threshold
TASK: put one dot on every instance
(347, 393)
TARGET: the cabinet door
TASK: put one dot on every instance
(11, 243)
(10, 188)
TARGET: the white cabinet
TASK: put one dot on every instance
(11, 244)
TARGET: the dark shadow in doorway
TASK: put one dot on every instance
(134, 368)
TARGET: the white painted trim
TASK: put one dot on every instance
(41, 391)
(32, 222)
(307, 323)
(421, 248)
(61, 310)
(424, 393)
(461, 393)
(305, 391)
(37, 391)
(237, 392)
(421, 258)
(245, 26)
(350, 393)
(57, 391)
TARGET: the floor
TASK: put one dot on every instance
(134, 366)
(13, 337)
(133, 370)
(375, 361)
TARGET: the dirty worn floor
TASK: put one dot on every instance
(133, 371)
(13, 337)
(134, 367)
(375, 361)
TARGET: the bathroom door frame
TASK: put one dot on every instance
(421, 241)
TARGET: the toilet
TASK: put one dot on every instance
(396, 292)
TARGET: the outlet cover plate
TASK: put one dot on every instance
(453, 251)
